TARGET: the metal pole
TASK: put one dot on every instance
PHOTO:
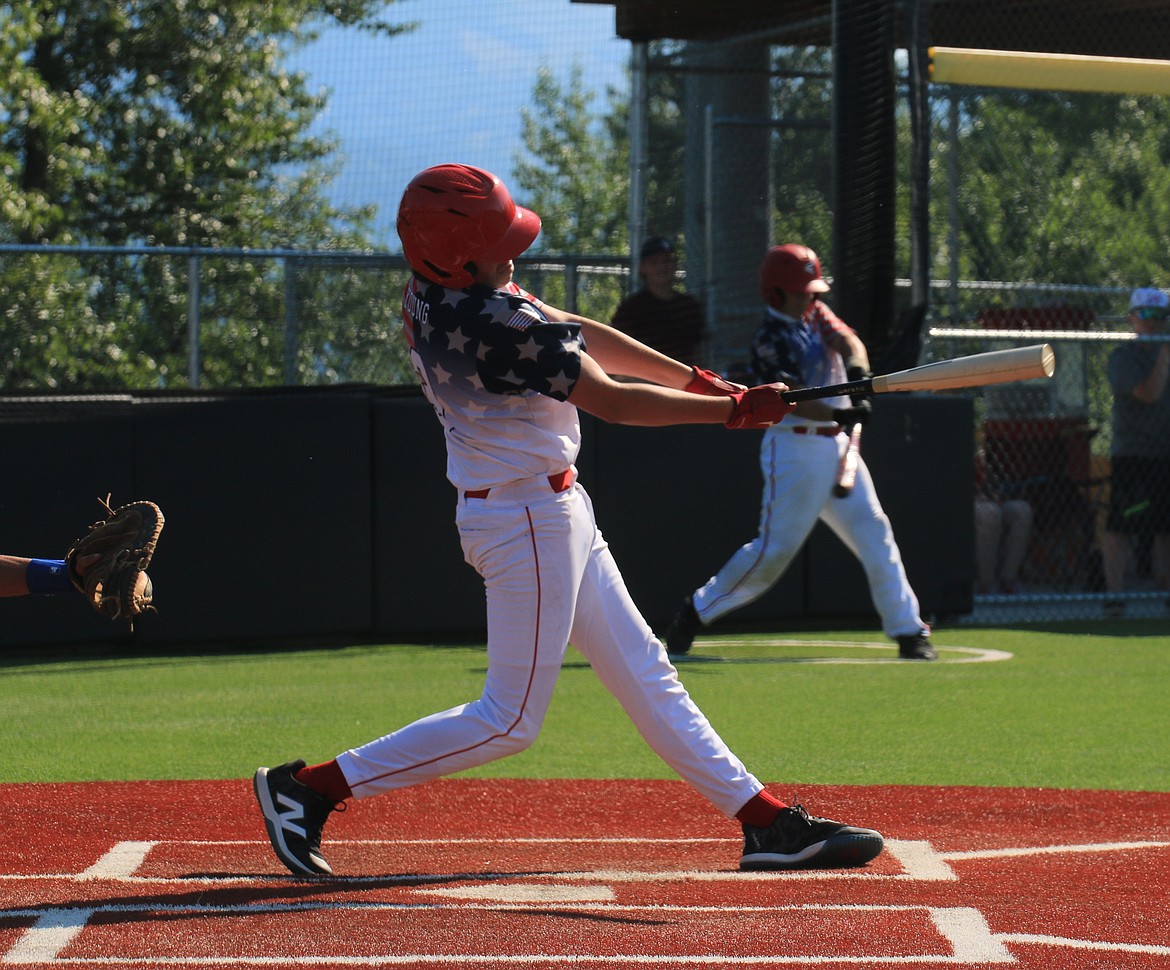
(194, 364)
(917, 14)
(639, 152)
(709, 218)
(290, 320)
(953, 205)
(572, 281)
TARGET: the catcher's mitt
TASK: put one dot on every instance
(116, 584)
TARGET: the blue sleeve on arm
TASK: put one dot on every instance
(48, 577)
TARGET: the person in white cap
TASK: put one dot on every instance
(1139, 503)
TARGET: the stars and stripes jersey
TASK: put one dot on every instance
(799, 352)
(498, 373)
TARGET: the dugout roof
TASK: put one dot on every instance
(1108, 28)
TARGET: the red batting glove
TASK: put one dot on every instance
(709, 383)
(759, 407)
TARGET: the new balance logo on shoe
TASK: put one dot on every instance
(294, 815)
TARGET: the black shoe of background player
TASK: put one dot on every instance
(797, 840)
(681, 632)
(916, 647)
(294, 815)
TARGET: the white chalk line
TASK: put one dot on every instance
(965, 930)
(919, 861)
(947, 654)
(964, 927)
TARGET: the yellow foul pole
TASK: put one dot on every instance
(1049, 72)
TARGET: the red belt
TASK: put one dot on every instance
(827, 431)
(558, 482)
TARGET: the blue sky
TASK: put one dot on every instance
(451, 90)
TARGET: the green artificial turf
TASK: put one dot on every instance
(1070, 709)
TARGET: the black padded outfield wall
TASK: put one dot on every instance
(675, 503)
(301, 514)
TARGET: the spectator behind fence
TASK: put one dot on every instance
(1139, 504)
(1003, 526)
(658, 315)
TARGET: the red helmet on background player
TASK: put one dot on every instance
(451, 215)
(792, 268)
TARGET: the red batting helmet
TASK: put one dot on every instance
(452, 215)
(792, 268)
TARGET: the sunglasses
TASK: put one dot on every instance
(1153, 313)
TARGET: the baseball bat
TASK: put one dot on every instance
(977, 370)
(847, 469)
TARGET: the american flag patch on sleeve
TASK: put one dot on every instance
(523, 318)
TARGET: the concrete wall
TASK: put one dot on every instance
(326, 512)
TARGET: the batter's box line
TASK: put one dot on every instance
(122, 862)
(919, 860)
(964, 928)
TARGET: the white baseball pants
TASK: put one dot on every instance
(799, 473)
(551, 579)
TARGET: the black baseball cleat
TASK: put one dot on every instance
(294, 815)
(797, 840)
(916, 647)
(681, 632)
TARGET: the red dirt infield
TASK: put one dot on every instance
(544, 874)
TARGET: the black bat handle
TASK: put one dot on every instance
(863, 386)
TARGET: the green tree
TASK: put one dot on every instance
(151, 122)
(801, 95)
(576, 171)
(666, 139)
(575, 179)
(1060, 188)
(1055, 188)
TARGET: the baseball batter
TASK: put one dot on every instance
(802, 343)
(506, 374)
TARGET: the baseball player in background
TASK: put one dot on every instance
(802, 343)
(506, 375)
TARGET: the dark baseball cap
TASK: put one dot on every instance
(655, 245)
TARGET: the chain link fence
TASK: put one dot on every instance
(1043, 482)
(1047, 209)
(106, 319)
(1045, 216)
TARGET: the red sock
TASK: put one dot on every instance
(761, 811)
(325, 779)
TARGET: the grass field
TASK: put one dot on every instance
(1071, 708)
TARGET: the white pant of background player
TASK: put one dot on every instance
(551, 579)
(799, 472)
